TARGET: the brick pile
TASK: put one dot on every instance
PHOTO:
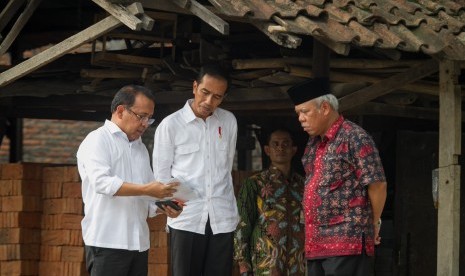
(62, 248)
(158, 252)
(20, 218)
(40, 223)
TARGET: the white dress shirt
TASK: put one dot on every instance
(106, 159)
(201, 153)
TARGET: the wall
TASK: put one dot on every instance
(55, 141)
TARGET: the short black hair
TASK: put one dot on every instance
(127, 96)
(214, 70)
(280, 129)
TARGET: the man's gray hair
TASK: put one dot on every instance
(329, 98)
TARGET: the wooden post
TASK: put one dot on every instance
(449, 169)
(320, 60)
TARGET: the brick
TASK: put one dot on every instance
(71, 174)
(158, 239)
(19, 268)
(19, 235)
(52, 189)
(158, 255)
(76, 238)
(72, 254)
(73, 269)
(158, 270)
(9, 252)
(62, 269)
(56, 237)
(62, 221)
(50, 253)
(157, 223)
(53, 174)
(20, 187)
(51, 268)
(162, 239)
(21, 203)
(63, 206)
(72, 190)
(20, 220)
(21, 171)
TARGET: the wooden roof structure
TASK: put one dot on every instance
(385, 57)
(374, 44)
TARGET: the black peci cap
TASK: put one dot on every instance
(309, 90)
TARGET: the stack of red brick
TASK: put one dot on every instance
(40, 223)
(158, 252)
(20, 218)
(62, 248)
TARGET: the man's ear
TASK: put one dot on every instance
(326, 107)
(194, 86)
(119, 111)
(267, 150)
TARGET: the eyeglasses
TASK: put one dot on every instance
(143, 119)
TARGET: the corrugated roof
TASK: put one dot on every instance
(431, 27)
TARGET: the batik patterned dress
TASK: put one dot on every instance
(269, 239)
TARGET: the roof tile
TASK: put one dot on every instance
(424, 26)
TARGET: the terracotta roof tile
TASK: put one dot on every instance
(367, 37)
(431, 27)
(456, 26)
(410, 20)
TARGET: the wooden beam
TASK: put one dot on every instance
(283, 39)
(205, 15)
(59, 50)
(417, 87)
(390, 84)
(115, 59)
(450, 131)
(9, 11)
(18, 26)
(374, 108)
(122, 13)
(112, 74)
(333, 63)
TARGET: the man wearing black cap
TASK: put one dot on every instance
(345, 188)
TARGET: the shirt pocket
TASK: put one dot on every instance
(187, 149)
(187, 156)
(222, 156)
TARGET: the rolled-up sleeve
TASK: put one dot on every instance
(94, 158)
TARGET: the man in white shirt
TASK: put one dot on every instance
(197, 145)
(114, 166)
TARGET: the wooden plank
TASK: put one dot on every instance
(18, 26)
(283, 39)
(105, 57)
(123, 14)
(109, 73)
(417, 87)
(344, 63)
(205, 14)
(450, 130)
(374, 108)
(59, 50)
(9, 11)
(385, 86)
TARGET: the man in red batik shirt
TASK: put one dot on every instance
(345, 188)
